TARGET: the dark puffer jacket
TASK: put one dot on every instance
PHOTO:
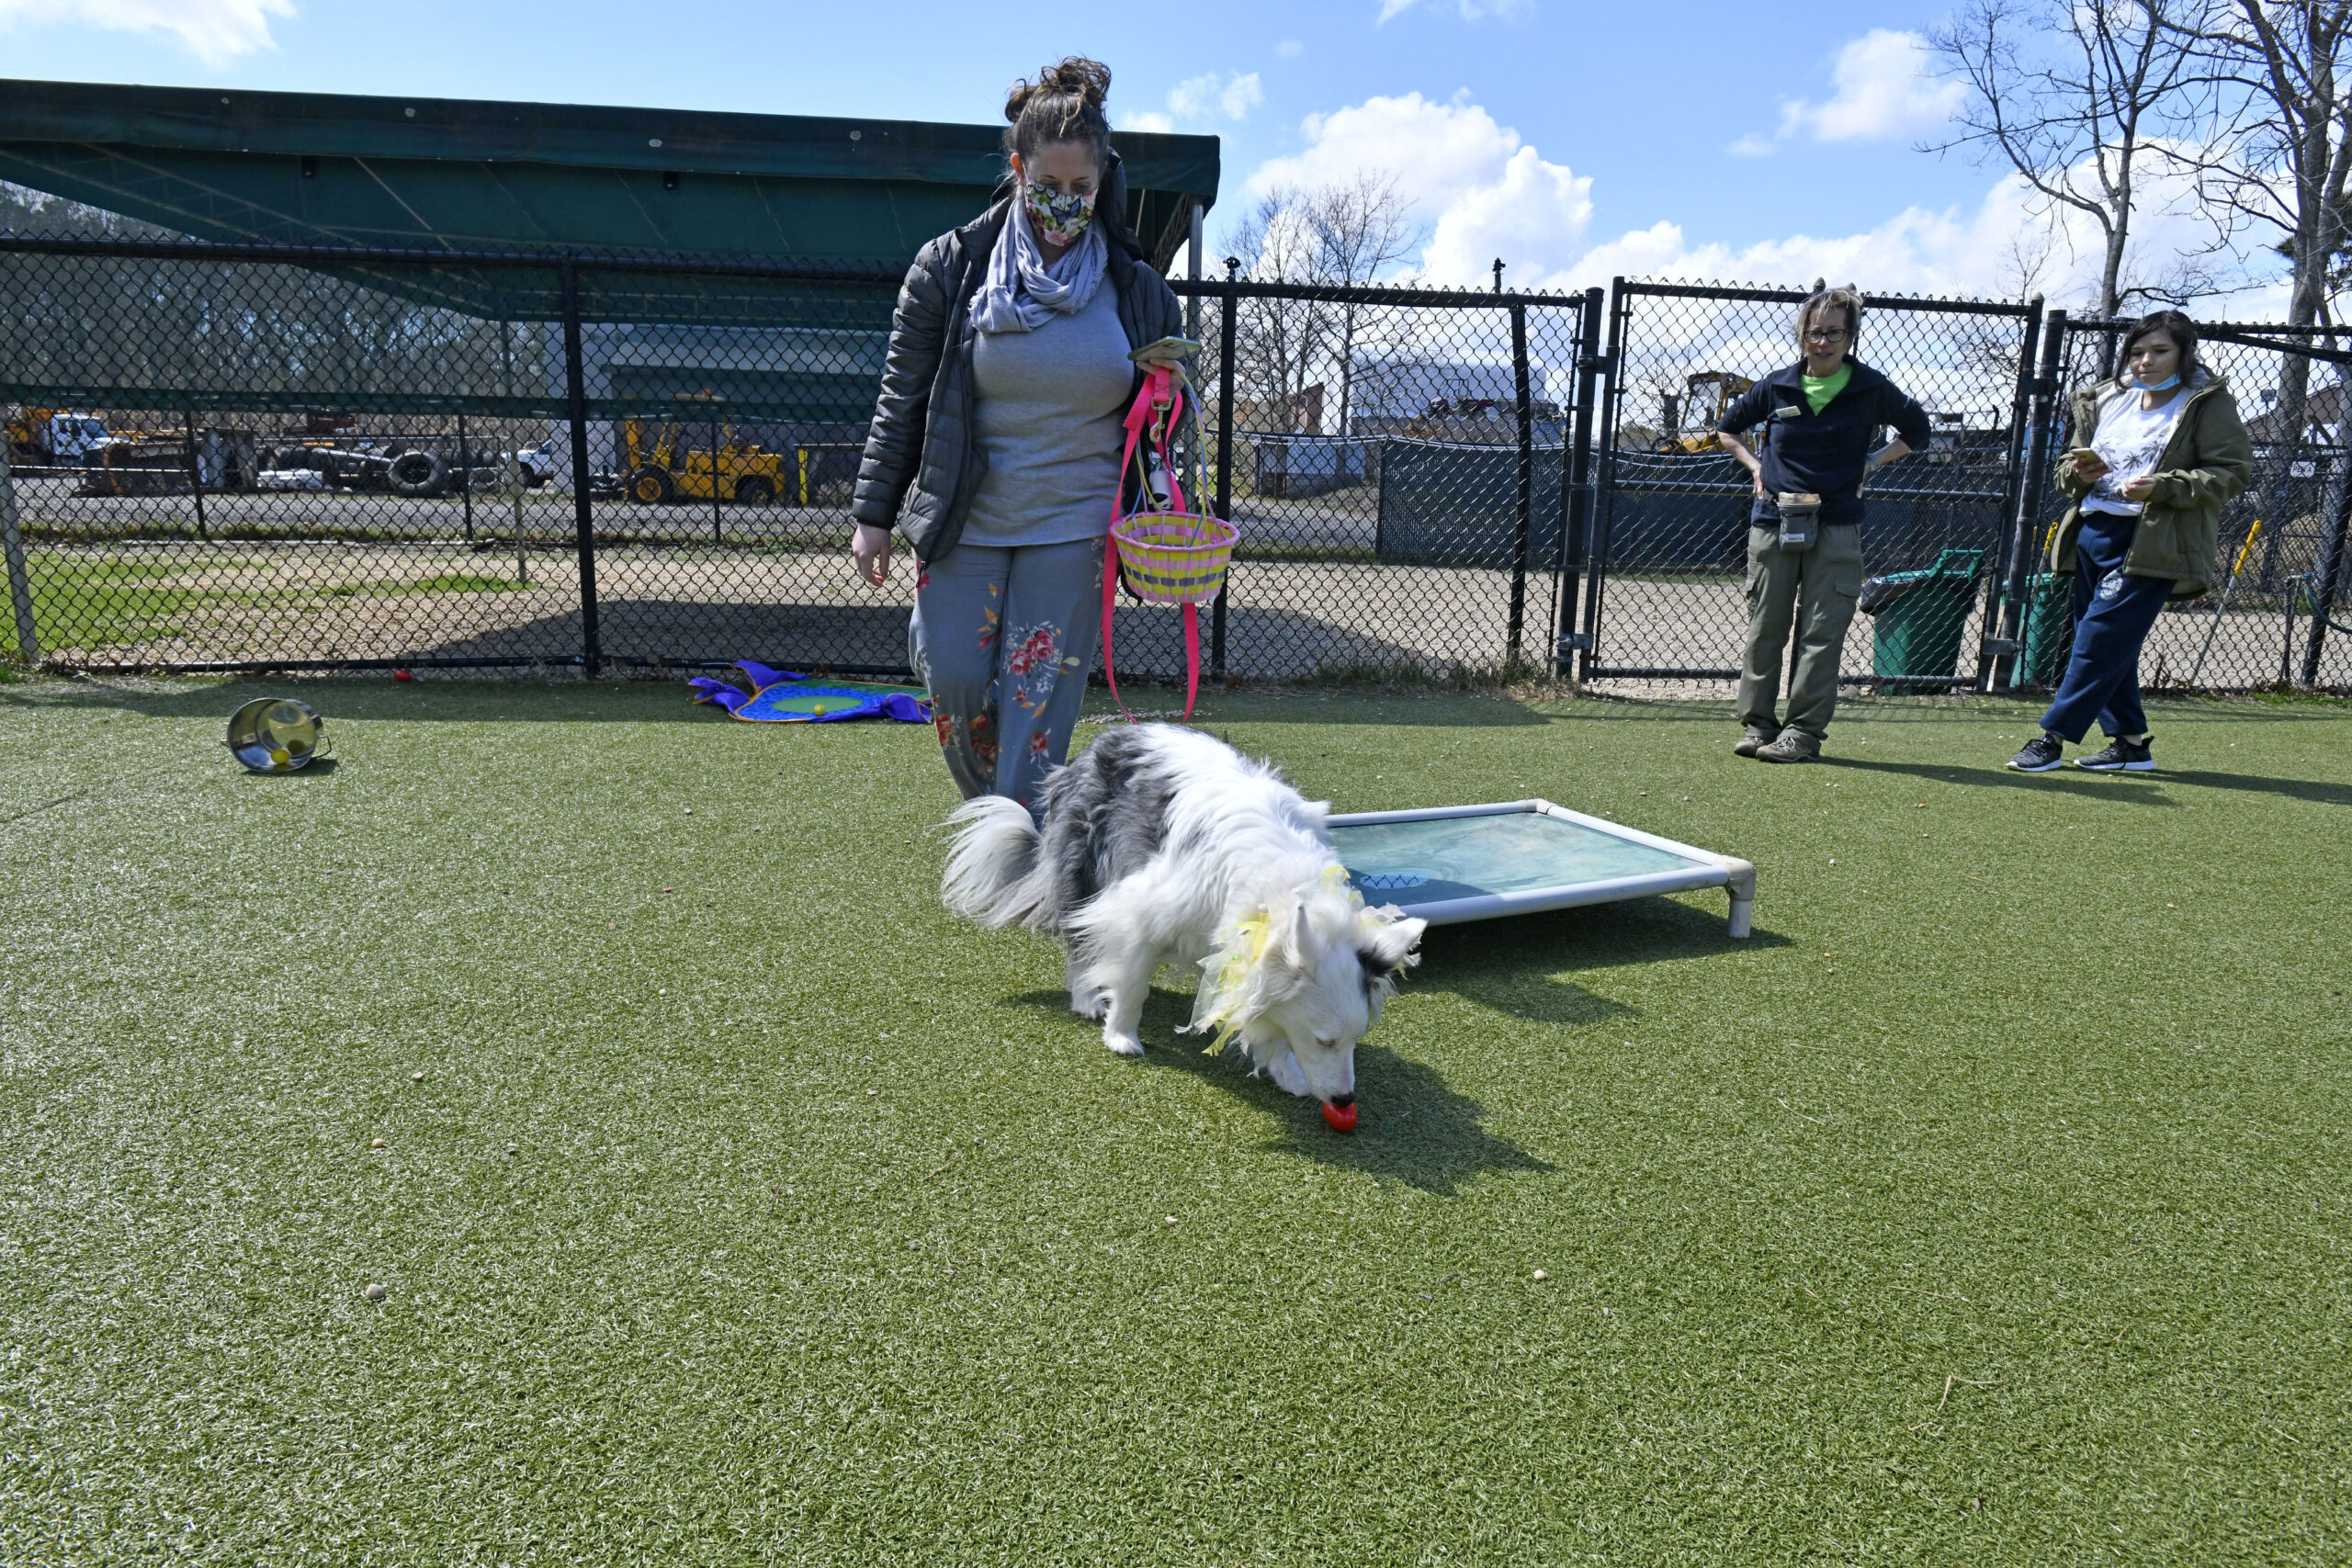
(919, 451)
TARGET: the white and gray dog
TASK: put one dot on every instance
(1163, 845)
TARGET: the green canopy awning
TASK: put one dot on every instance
(457, 175)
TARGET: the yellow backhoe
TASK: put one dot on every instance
(659, 465)
(1705, 398)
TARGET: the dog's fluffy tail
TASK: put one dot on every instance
(993, 873)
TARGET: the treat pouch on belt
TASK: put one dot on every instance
(1799, 519)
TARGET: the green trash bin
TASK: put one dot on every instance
(1919, 616)
(2047, 634)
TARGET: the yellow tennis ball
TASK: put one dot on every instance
(821, 710)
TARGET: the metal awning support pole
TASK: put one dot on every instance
(1525, 516)
(1575, 493)
(584, 516)
(1192, 301)
(21, 588)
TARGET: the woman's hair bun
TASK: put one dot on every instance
(1064, 104)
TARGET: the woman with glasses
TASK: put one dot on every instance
(1822, 416)
(2158, 452)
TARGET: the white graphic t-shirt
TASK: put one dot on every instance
(2133, 440)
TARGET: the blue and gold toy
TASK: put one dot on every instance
(780, 696)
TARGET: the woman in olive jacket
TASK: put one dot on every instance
(996, 440)
(2158, 452)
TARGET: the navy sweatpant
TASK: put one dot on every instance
(2113, 615)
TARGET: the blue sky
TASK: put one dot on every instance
(1573, 140)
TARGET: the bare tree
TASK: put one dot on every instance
(2284, 164)
(2078, 97)
(1362, 228)
(1347, 233)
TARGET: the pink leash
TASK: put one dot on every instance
(1158, 391)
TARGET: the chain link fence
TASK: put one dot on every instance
(1666, 603)
(224, 456)
(2277, 614)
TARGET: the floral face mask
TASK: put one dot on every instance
(1060, 219)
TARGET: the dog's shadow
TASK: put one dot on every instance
(1411, 1127)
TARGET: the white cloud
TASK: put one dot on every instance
(1204, 97)
(215, 31)
(1886, 88)
(1149, 119)
(1485, 193)
(1471, 10)
(1289, 48)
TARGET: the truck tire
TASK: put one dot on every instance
(651, 487)
(418, 474)
(753, 489)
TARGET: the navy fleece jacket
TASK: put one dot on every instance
(1827, 453)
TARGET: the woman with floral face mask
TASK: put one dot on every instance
(996, 441)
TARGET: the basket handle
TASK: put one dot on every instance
(1160, 391)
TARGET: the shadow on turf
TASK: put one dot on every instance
(1414, 1129)
(2138, 789)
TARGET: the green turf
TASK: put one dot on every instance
(1990, 1205)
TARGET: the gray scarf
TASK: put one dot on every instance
(1022, 293)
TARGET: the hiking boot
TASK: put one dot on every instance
(2121, 756)
(2042, 753)
(1794, 746)
(1754, 740)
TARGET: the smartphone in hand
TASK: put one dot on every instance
(1165, 351)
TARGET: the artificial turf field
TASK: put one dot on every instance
(736, 1206)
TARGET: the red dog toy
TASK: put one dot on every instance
(1342, 1118)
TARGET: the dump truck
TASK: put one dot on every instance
(658, 466)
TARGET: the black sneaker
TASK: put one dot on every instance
(2042, 753)
(2121, 756)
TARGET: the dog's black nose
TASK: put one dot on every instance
(1342, 1101)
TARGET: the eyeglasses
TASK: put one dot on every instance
(1825, 334)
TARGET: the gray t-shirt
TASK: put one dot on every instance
(1049, 411)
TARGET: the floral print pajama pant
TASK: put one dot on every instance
(1004, 638)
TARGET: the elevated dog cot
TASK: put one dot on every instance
(1449, 864)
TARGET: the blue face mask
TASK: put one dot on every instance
(2165, 385)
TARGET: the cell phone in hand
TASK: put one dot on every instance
(1160, 350)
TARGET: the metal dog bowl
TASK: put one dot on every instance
(277, 735)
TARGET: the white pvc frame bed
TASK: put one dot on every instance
(1705, 869)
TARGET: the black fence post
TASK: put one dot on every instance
(2331, 569)
(584, 517)
(2000, 604)
(195, 472)
(2042, 429)
(1596, 562)
(1526, 482)
(1576, 492)
(1224, 455)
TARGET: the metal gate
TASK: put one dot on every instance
(1665, 597)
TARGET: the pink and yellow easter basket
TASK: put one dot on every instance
(1165, 554)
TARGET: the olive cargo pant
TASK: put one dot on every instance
(1814, 591)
